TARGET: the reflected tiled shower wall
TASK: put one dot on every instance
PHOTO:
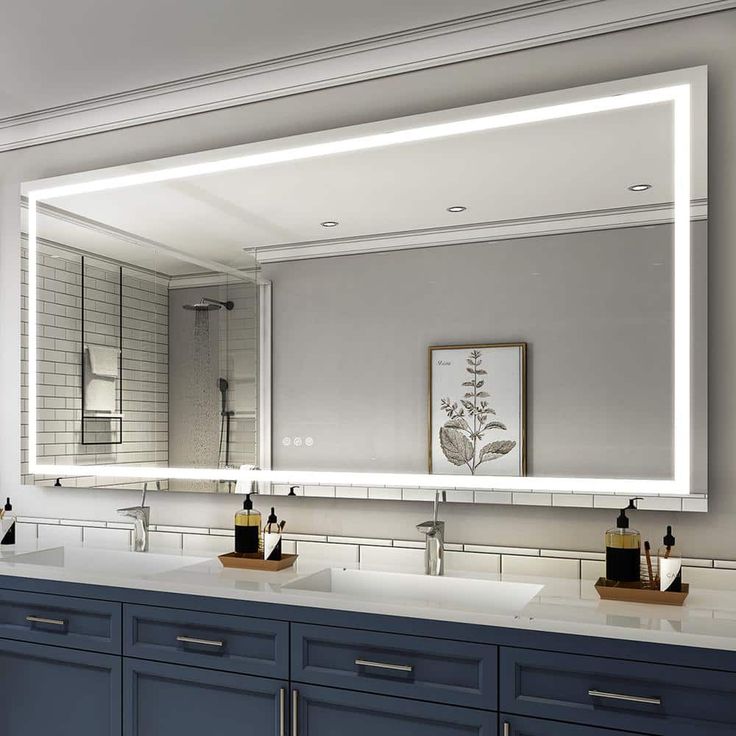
(204, 347)
(145, 362)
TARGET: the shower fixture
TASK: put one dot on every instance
(205, 304)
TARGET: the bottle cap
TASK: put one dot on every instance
(247, 504)
(669, 540)
(272, 516)
(8, 505)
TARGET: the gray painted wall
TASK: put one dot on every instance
(350, 339)
(702, 40)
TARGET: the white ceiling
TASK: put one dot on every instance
(54, 53)
(551, 169)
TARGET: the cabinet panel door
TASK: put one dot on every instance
(516, 726)
(322, 711)
(161, 699)
(57, 691)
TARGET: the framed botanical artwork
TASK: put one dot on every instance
(477, 409)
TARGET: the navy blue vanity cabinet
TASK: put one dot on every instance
(322, 711)
(437, 670)
(633, 696)
(173, 700)
(54, 691)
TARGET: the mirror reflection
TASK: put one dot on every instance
(494, 303)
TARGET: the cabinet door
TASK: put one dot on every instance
(161, 699)
(322, 711)
(52, 690)
(516, 726)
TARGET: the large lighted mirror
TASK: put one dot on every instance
(507, 297)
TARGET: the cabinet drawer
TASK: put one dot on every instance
(613, 693)
(441, 671)
(322, 711)
(232, 643)
(61, 620)
(520, 726)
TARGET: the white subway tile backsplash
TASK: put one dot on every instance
(655, 503)
(695, 504)
(531, 552)
(334, 555)
(206, 545)
(164, 541)
(532, 499)
(472, 562)
(351, 492)
(25, 533)
(392, 558)
(319, 491)
(573, 555)
(385, 494)
(710, 579)
(110, 538)
(592, 570)
(503, 497)
(360, 540)
(540, 567)
(59, 535)
(572, 499)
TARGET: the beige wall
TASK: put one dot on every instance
(703, 40)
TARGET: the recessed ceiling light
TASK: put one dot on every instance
(456, 208)
(639, 187)
(329, 223)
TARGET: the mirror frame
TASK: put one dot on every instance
(676, 87)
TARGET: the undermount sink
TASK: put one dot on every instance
(113, 562)
(461, 594)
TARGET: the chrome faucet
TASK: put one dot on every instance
(434, 553)
(141, 516)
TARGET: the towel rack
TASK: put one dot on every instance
(117, 416)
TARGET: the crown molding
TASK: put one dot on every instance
(526, 25)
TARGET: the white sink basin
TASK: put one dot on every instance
(119, 563)
(460, 594)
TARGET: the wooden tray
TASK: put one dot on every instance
(248, 562)
(634, 593)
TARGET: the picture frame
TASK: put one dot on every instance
(477, 409)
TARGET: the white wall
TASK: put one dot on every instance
(702, 40)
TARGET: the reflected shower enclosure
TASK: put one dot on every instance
(213, 357)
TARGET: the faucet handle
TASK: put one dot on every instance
(430, 526)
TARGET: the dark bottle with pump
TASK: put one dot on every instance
(623, 550)
(247, 529)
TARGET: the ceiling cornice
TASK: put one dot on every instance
(526, 25)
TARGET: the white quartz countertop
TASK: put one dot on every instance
(707, 620)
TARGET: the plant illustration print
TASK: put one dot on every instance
(470, 420)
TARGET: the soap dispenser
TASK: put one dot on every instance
(623, 549)
(7, 524)
(670, 564)
(247, 528)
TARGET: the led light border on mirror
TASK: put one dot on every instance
(402, 131)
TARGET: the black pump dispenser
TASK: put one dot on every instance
(272, 519)
(669, 539)
(247, 504)
(623, 549)
(623, 521)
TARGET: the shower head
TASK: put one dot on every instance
(202, 307)
(205, 304)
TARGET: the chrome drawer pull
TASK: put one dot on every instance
(506, 729)
(294, 713)
(384, 665)
(282, 712)
(49, 621)
(204, 642)
(627, 698)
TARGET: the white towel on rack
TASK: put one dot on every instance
(100, 387)
(103, 361)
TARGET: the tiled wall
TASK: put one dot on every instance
(145, 363)
(372, 553)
